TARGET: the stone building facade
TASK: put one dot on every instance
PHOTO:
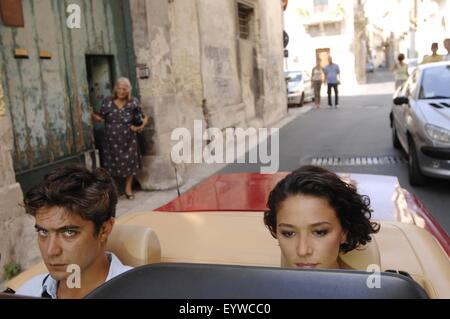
(220, 62)
(328, 27)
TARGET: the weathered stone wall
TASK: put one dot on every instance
(222, 85)
(151, 35)
(243, 78)
(17, 236)
(201, 70)
(274, 105)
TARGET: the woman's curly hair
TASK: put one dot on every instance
(352, 209)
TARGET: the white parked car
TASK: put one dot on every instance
(299, 87)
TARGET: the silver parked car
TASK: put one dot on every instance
(299, 87)
(420, 121)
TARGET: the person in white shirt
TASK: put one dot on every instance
(74, 211)
(446, 57)
(400, 70)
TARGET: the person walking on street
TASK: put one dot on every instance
(446, 57)
(317, 76)
(400, 70)
(333, 74)
(434, 57)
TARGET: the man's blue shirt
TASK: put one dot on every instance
(332, 71)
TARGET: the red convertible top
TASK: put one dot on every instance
(250, 191)
(228, 192)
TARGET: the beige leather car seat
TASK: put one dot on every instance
(363, 257)
(134, 246)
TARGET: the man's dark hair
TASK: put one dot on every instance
(351, 208)
(401, 57)
(92, 195)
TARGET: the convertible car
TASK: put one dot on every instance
(211, 242)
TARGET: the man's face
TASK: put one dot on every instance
(65, 239)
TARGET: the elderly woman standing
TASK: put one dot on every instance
(121, 153)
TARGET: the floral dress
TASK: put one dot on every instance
(121, 152)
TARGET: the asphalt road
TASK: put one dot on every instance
(360, 128)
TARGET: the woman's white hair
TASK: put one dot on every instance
(125, 81)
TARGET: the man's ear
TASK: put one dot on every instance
(106, 229)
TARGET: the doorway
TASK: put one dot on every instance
(100, 76)
(324, 55)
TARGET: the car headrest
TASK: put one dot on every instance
(364, 256)
(198, 281)
(134, 245)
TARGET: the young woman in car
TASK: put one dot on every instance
(316, 216)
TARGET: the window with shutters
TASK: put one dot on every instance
(245, 14)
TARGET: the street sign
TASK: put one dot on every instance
(285, 39)
(286, 53)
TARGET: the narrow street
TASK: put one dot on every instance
(356, 134)
(121, 121)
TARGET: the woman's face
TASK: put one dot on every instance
(309, 232)
(122, 91)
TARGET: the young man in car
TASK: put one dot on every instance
(74, 211)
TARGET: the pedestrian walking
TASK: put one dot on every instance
(317, 77)
(400, 70)
(120, 113)
(333, 75)
(434, 57)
